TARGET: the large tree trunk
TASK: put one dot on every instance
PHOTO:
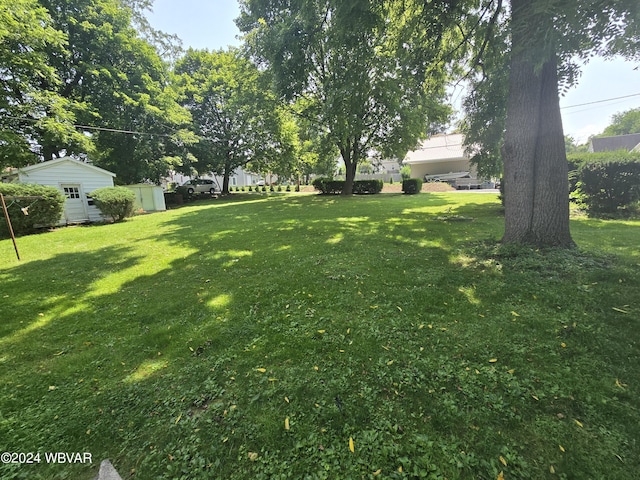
(535, 163)
(351, 165)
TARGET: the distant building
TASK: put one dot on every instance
(440, 157)
(630, 143)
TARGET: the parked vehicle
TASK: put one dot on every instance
(200, 185)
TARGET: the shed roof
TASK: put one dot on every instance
(437, 149)
(59, 161)
(618, 142)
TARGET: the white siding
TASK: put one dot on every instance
(70, 172)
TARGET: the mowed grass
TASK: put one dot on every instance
(276, 337)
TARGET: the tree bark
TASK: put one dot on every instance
(535, 163)
(351, 165)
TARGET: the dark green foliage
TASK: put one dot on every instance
(363, 187)
(43, 211)
(327, 186)
(607, 184)
(114, 202)
(412, 186)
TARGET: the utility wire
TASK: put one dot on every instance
(601, 101)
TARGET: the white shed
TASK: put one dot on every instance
(149, 198)
(75, 179)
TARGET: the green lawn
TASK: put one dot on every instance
(304, 336)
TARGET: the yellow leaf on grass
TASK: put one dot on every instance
(515, 314)
(561, 448)
(261, 370)
(377, 472)
(316, 368)
(253, 456)
(400, 469)
(563, 345)
(551, 469)
(286, 399)
(512, 371)
(390, 362)
(286, 423)
(352, 447)
(620, 384)
(579, 423)
(503, 460)
(321, 331)
(501, 476)
(493, 360)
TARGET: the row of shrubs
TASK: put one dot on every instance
(329, 186)
(35, 206)
(605, 182)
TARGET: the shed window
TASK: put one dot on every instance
(72, 192)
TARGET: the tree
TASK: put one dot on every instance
(545, 37)
(624, 123)
(353, 68)
(115, 81)
(28, 112)
(235, 116)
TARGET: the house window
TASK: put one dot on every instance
(234, 181)
(72, 192)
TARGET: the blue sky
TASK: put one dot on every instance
(209, 24)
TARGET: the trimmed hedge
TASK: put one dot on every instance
(605, 182)
(367, 187)
(412, 186)
(40, 212)
(327, 186)
(115, 202)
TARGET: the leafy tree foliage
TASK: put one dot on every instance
(235, 116)
(28, 112)
(545, 40)
(624, 123)
(113, 79)
(344, 60)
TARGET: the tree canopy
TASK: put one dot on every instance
(349, 61)
(235, 116)
(624, 123)
(542, 43)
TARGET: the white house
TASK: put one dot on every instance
(440, 157)
(75, 179)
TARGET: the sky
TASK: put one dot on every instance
(210, 24)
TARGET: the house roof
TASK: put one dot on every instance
(438, 148)
(619, 142)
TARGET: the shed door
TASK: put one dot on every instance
(75, 208)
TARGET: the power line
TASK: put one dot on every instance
(601, 101)
(100, 129)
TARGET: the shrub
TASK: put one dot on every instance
(364, 187)
(39, 212)
(288, 189)
(114, 202)
(604, 182)
(412, 186)
(328, 186)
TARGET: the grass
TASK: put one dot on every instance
(322, 337)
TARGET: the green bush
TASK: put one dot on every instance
(412, 186)
(364, 187)
(606, 181)
(39, 212)
(327, 186)
(114, 202)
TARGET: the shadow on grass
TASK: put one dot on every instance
(351, 318)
